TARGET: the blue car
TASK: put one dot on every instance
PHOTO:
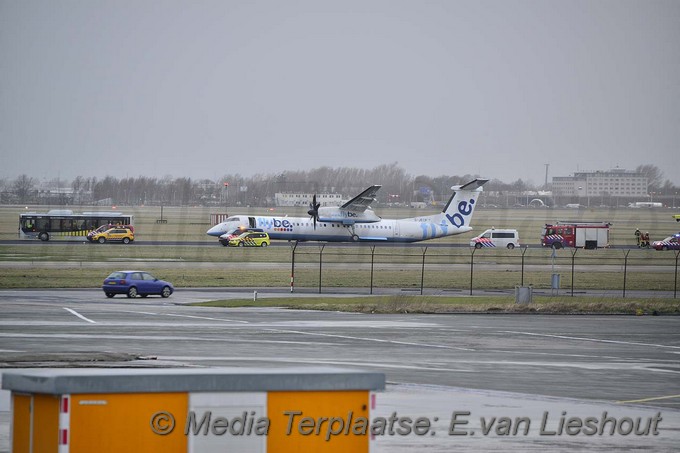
(136, 283)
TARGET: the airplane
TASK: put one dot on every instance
(355, 221)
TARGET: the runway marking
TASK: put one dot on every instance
(73, 312)
(136, 312)
(596, 340)
(313, 361)
(151, 337)
(377, 340)
(182, 316)
(644, 400)
(205, 317)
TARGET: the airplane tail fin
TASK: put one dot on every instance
(458, 211)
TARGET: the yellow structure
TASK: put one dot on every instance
(191, 410)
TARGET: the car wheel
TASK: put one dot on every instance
(478, 245)
(132, 292)
(165, 292)
(126, 240)
(101, 240)
(110, 295)
(240, 244)
(665, 247)
(44, 237)
(557, 245)
(264, 244)
(143, 295)
(511, 246)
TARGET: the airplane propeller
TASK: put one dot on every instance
(314, 210)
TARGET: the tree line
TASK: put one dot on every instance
(258, 190)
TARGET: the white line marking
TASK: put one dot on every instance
(644, 400)
(151, 338)
(314, 361)
(73, 312)
(596, 340)
(205, 317)
(377, 340)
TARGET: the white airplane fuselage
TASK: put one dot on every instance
(454, 219)
(302, 229)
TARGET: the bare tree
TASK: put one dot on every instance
(654, 176)
(23, 186)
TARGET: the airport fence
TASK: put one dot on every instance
(465, 271)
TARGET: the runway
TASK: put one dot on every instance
(500, 365)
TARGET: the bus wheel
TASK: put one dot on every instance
(511, 246)
(44, 237)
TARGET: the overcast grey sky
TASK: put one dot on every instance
(204, 88)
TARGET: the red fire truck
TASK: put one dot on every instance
(588, 235)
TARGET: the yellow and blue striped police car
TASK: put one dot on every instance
(250, 239)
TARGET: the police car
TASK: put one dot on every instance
(236, 232)
(250, 239)
(670, 243)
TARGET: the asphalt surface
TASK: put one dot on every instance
(490, 365)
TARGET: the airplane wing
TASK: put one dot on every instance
(362, 201)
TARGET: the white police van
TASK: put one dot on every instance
(496, 237)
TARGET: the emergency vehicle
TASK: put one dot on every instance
(589, 235)
(496, 238)
(670, 243)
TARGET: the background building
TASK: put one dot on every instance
(583, 187)
(304, 199)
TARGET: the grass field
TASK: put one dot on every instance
(432, 304)
(83, 265)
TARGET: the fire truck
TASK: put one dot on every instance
(588, 235)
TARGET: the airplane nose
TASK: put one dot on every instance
(217, 230)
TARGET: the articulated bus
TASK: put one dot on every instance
(65, 225)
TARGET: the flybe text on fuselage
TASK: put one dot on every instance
(273, 222)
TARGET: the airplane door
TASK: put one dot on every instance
(396, 229)
(251, 222)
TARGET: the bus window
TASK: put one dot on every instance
(66, 225)
(41, 224)
(79, 225)
(28, 224)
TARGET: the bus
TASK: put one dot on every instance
(63, 224)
